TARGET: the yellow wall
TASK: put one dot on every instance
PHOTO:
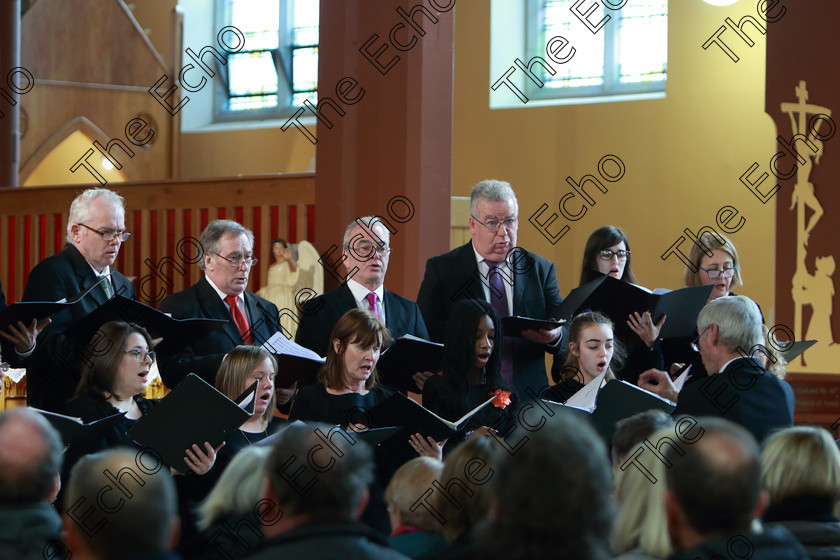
(683, 154)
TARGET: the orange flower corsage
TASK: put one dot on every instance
(502, 399)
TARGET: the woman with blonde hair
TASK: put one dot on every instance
(800, 470)
(640, 531)
(718, 266)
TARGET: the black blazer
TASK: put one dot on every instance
(744, 393)
(7, 349)
(320, 314)
(204, 356)
(54, 367)
(454, 276)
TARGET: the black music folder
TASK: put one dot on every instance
(618, 299)
(25, 311)
(193, 412)
(513, 326)
(75, 433)
(405, 357)
(795, 349)
(399, 410)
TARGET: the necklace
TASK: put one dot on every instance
(259, 436)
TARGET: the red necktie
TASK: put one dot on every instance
(371, 298)
(240, 320)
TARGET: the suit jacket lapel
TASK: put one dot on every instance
(518, 288)
(212, 306)
(344, 301)
(263, 325)
(85, 276)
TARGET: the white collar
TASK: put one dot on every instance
(240, 298)
(360, 292)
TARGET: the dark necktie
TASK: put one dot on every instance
(498, 299)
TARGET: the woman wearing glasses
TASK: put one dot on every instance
(112, 381)
(720, 270)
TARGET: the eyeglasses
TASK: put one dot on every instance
(236, 262)
(511, 224)
(367, 249)
(607, 255)
(695, 345)
(140, 355)
(109, 235)
(715, 273)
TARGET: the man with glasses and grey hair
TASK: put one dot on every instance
(220, 294)
(366, 251)
(738, 387)
(491, 267)
(95, 233)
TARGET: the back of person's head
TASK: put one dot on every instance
(554, 495)
(641, 519)
(360, 326)
(407, 485)
(237, 366)
(120, 500)
(237, 490)
(467, 502)
(631, 432)
(323, 482)
(603, 238)
(738, 319)
(801, 461)
(30, 458)
(460, 341)
(714, 242)
(104, 354)
(716, 479)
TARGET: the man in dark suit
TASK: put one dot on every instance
(220, 294)
(17, 343)
(95, 232)
(490, 267)
(738, 387)
(366, 254)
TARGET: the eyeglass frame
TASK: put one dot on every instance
(251, 261)
(137, 353)
(695, 344)
(614, 254)
(513, 227)
(382, 250)
(121, 235)
(719, 271)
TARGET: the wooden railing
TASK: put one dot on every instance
(162, 216)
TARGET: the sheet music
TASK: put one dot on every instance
(279, 344)
(585, 398)
(679, 382)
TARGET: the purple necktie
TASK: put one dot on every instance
(498, 299)
(371, 298)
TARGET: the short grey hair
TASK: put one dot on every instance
(738, 319)
(368, 222)
(217, 229)
(80, 207)
(238, 490)
(330, 494)
(491, 190)
(144, 521)
(23, 484)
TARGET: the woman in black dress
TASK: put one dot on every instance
(471, 372)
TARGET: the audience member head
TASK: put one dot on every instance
(802, 461)
(468, 473)
(725, 325)
(631, 432)
(494, 219)
(238, 490)
(228, 255)
(338, 494)
(641, 520)
(554, 495)
(30, 458)
(142, 510)
(592, 348)
(723, 257)
(117, 361)
(600, 254)
(367, 247)
(240, 368)
(407, 485)
(94, 215)
(713, 484)
(473, 345)
(355, 344)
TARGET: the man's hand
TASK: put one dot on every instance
(659, 382)
(643, 326)
(420, 378)
(23, 336)
(543, 336)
